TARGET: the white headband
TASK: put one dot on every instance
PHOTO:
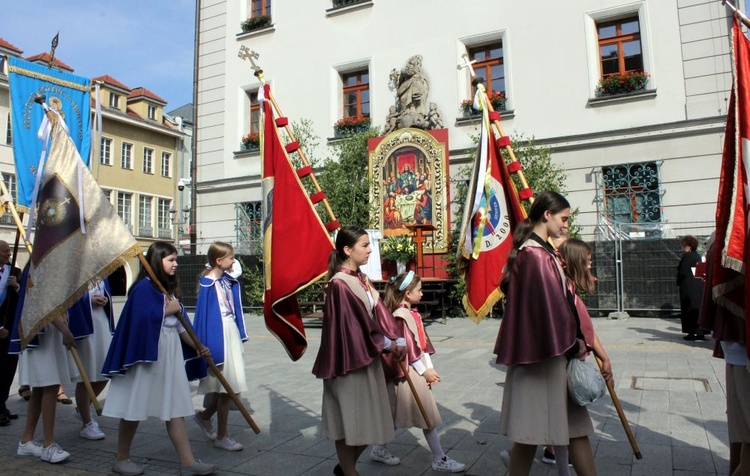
(407, 280)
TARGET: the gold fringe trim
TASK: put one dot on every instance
(48, 78)
(78, 294)
(477, 315)
(732, 263)
(289, 324)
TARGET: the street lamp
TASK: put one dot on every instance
(179, 222)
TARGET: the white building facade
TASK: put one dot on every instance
(648, 156)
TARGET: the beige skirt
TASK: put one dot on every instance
(536, 407)
(356, 407)
(406, 413)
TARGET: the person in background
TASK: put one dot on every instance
(691, 289)
(9, 286)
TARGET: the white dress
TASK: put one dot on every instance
(153, 389)
(49, 364)
(93, 349)
(233, 367)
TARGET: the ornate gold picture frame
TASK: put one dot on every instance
(409, 183)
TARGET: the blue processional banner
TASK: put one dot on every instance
(67, 94)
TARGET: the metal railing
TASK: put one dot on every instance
(636, 265)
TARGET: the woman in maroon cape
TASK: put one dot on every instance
(356, 410)
(538, 333)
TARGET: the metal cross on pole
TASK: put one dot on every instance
(467, 64)
(53, 46)
(252, 56)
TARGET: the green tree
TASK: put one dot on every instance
(345, 179)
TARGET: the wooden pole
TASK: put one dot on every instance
(736, 11)
(621, 414)
(8, 202)
(198, 345)
(251, 56)
(405, 369)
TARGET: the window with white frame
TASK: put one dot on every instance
(10, 182)
(145, 227)
(166, 162)
(148, 160)
(114, 100)
(105, 152)
(632, 192)
(152, 112)
(125, 208)
(126, 160)
(162, 218)
(108, 194)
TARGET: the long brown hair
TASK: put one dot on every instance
(576, 254)
(548, 200)
(346, 237)
(155, 254)
(393, 295)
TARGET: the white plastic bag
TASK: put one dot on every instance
(585, 383)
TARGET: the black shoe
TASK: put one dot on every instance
(9, 415)
(700, 336)
(4, 420)
(338, 471)
(690, 337)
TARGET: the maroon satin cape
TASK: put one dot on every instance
(537, 323)
(351, 339)
(391, 367)
(587, 325)
(723, 324)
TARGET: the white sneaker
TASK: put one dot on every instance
(91, 431)
(54, 454)
(382, 455)
(448, 465)
(30, 448)
(505, 458)
(227, 443)
(205, 425)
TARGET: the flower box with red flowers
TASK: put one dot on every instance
(251, 141)
(497, 99)
(622, 83)
(351, 125)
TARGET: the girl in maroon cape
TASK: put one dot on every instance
(402, 293)
(538, 333)
(356, 410)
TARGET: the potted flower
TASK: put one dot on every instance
(400, 249)
(622, 83)
(255, 23)
(251, 141)
(496, 98)
(351, 125)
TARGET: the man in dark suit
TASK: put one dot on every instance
(9, 284)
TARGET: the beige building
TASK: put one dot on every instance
(647, 158)
(134, 164)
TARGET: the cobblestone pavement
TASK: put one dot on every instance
(672, 392)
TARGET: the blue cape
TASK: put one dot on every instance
(208, 326)
(15, 338)
(136, 337)
(80, 319)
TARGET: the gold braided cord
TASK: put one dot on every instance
(49, 79)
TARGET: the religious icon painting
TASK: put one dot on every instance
(409, 183)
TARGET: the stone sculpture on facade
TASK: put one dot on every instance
(412, 108)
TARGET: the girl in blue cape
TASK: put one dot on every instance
(220, 325)
(146, 364)
(91, 320)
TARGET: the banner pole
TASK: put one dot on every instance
(251, 56)
(741, 16)
(210, 361)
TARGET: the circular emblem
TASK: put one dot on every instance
(494, 212)
(52, 212)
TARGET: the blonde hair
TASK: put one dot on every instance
(217, 251)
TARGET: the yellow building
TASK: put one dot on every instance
(135, 163)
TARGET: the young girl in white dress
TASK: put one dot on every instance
(219, 324)
(92, 324)
(45, 364)
(146, 364)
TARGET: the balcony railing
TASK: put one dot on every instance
(165, 233)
